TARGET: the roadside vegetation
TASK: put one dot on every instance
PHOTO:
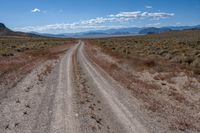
(9, 46)
(20, 55)
(174, 48)
(162, 71)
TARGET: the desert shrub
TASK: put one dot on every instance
(178, 59)
(198, 42)
(7, 54)
(181, 47)
(162, 52)
(149, 63)
(196, 71)
(10, 45)
(196, 63)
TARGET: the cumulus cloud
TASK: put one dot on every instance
(154, 24)
(139, 14)
(35, 10)
(148, 7)
(60, 28)
(127, 14)
(99, 22)
(159, 15)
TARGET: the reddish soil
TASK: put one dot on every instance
(14, 68)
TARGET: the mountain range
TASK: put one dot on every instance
(121, 32)
(4, 31)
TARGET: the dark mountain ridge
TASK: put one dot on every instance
(4, 31)
(153, 30)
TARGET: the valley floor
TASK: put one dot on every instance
(86, 91)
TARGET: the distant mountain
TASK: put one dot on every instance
(120, 32)
(4, 31)
(94, 33)
(153, 30)
(183, 27)
(131, 30)
(2, 26)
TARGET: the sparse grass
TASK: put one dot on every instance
(9, 46)
(45, 72)
(162, 51)
(167, 70)
(20, 55)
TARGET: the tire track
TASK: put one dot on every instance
(44, 114)
(75, 98)
(90, 109)
(123, 115)
(65, 120)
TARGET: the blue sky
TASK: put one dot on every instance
(58, 16)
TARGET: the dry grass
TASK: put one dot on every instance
(27, 53)
(10, 46)
(16, 52)
(45, 72)
(177, 49)
(172, 96)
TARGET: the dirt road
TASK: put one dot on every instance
(69, 95)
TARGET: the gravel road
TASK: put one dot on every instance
(71, 94)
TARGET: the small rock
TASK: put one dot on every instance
(7, 126)
(27, 89)
(27, 106)
(16, 124)
(25, 113)
(18, 101)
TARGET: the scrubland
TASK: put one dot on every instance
(174, 48)
(20, 55)
(162, 71)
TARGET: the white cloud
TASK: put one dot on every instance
(135, 14)
(159, 15)
(101, 20)
(154, 24)
(35, 10)
(97, 23)
(139, 14)
(63, 28)
(148, 7)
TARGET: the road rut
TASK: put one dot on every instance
(77, 96)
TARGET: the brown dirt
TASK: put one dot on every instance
(14, 68)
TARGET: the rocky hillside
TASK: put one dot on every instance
(4, 31)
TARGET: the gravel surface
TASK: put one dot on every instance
(69, 95)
